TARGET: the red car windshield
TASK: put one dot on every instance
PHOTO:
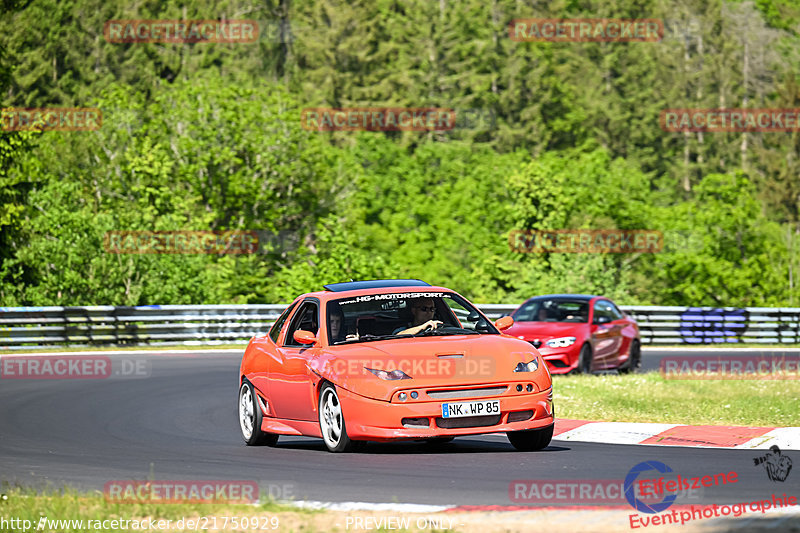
(553, 310)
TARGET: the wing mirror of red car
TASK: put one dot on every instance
(504, 322)
(304, 337)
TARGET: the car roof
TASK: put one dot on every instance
(374, 284)
(585, 297)
(399, 286)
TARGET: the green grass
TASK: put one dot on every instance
(69, 504)
(651, 398)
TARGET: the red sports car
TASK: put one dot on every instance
(383, 360)
(579, 333)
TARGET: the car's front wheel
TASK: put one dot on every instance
(584, 360)
(250, 418)
(331, 421)
(531, 439)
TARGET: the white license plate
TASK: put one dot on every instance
(456, 410)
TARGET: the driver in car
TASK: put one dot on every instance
(422, 311)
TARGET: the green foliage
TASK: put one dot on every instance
(736, 253)
(207, 136)
(784, 14)
(570, 190)
(166, 172)
(437, 213)
(335, 256)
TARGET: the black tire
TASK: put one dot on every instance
(531, 439)
(332, 423)
(250, 417)
(635, 359)
(584, 360)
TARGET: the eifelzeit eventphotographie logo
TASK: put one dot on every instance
(777, 465)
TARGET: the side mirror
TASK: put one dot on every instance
(504, 322)
(304, 337)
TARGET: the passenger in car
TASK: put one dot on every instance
(336, 322)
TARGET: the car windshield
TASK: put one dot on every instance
(389, 316)
(553, 310)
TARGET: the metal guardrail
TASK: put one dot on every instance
(710, 325)
(154, 325)
(157, 325)
(704, 325)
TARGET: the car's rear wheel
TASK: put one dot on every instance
(531, 439)
(250, 418)
(634, 359)
(331, 421)
(584, 360)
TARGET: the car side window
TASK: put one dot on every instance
(615, 312)
(275, 330)
(306, 318)
(525, 313)
(602, 313)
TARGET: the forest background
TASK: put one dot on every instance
(207, 136)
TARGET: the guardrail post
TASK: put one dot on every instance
(67, 326)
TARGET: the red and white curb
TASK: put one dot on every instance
(733, 437)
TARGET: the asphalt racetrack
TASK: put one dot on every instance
(179, 422)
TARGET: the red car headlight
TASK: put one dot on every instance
(560, 342)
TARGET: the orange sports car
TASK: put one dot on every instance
(384, 360)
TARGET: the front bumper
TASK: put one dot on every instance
(561, 360)
(368, 419)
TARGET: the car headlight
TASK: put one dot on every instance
(533, 366)
(390, 375)
(560, 342)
